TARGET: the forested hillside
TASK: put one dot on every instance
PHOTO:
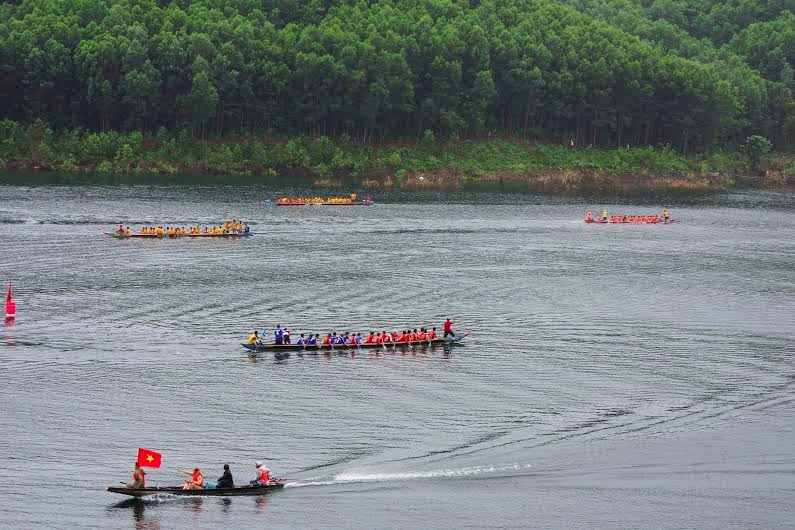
(692, 74)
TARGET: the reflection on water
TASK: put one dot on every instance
(262, 504)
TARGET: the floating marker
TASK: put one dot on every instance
(11, 306)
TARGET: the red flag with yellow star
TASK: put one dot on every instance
(147, 458)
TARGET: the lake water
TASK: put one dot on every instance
(616, 376)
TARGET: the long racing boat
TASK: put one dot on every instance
(217, 492)
(156, 236)
(449, 341)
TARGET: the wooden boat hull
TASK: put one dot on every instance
(329, 347)
(214, 492)
(354, 203)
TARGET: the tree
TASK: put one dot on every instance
(755, 147)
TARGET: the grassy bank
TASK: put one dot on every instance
(402, 165)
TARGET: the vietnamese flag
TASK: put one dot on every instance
(147, 458)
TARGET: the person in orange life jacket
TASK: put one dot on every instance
(196, 481)
(370, 338)
(139, 478)
(432, 334)
(263, 475)
(422, 336)
(278, 335)
(402, 337)
(387, 337)
(448, 328)
(327, 339)
(352, 339)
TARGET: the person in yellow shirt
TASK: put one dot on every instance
(253, 339)
(159, 231)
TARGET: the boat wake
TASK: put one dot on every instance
(355, 476)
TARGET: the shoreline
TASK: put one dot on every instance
(493, 163)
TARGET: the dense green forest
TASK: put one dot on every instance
(691, 75)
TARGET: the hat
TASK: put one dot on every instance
(258, 463)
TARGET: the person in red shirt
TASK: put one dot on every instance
(327, 339)
(448, 328)
(432, 334)
(403, 336)
(352, 339)
(370, 339)
(386, 337)
(394, 335)
(421, 336)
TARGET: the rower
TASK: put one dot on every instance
(422, 336)
(327, 339)
(278, 335)
(196, 481)
(127, 231)
(139, 478)
(665, 216)
(301, 341)
(263, 475)
(604, 214)
(120, 230)
(386, 337)
(588, 216)
(370, 339)
(432, 334)
(313, 339)
(253, 339)
(448, 324)
(225, 480)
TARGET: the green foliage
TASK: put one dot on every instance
(692, 74)
(755, 147)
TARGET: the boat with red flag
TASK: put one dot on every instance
(258, 489)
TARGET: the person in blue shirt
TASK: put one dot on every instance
(358, 338)
(246, 230)
(278, 335)
(301, 339)
(313, 339)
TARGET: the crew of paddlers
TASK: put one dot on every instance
(604, 218)
(320, 200)
(233, 227)
(417, 335)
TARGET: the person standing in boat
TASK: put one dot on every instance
(588, 216)
(226, 480)
(139, 478)
(278, 335)
(448, 325)
(666, 215)
(286, 336)
(263, 475)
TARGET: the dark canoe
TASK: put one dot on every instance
(177, 490)
(329, 347)
(354, 203)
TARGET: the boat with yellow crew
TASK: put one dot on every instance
(230, 229)
(352, 200)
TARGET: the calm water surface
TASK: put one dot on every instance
(616, 376)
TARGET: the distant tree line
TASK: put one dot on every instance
(684, 73)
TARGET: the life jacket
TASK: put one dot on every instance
(412, 337)
(327, 340)
(264, 476)
(431, 335)
(370, 339)
(394, 336)
(352, 340)
(403, 338)
(379, 339)
(197, 477)
(421, 335)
